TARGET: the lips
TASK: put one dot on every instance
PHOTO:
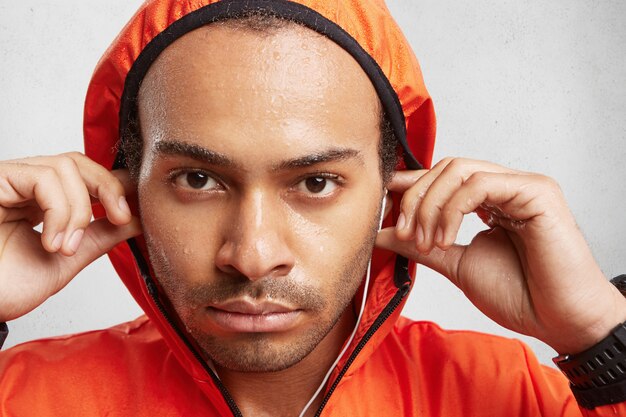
(248, 316)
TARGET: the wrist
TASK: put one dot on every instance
(587, 332)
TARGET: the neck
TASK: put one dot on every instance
(286, 392)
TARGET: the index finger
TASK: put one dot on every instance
(109, 187)
(130, 187)
(403, 180)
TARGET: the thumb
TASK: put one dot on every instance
(99, 238)
(443, 261)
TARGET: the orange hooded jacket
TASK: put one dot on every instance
(393, 367)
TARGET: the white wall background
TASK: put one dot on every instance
(533, 85)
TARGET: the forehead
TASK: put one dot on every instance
(286, 83)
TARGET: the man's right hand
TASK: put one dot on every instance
(55, 190)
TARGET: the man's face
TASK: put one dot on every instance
(259, 189)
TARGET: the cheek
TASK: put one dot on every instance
(181, 233)
(326, 240)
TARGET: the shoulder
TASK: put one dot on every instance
(429, 335)
(128, 367)
(140, 331)
(464, 353)
(432, 371)
(87, 355)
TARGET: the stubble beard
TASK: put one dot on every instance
(260, 352)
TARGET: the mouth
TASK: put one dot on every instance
(249, 316)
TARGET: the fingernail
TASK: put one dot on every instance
(75, 239)
(420, 235)
(401, 222)
(123, 205)
(439, 235)
(58, 240)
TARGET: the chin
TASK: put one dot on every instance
(259, 353)
(262, 352)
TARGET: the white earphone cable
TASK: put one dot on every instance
(365, 288)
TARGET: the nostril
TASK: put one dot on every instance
(256, 260)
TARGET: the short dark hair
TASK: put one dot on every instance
(262, 22)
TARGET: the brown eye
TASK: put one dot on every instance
(195, 180)
(318, 185)
(315, 184)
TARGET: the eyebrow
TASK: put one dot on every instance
(199, 153)
(189, 150)
(329, 155)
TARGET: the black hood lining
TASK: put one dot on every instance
(228, 9)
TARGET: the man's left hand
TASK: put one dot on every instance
(531, 272)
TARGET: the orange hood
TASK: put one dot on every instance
(366, 30)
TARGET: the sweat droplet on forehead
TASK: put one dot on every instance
(266, 88)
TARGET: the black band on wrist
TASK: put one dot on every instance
(620, 283)
(598, 375)
(595, 397)
(4, 331)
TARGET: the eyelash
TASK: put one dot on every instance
(339, 182)
(174, 175)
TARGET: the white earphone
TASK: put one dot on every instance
(383, 207)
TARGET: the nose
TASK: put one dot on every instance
(255, 243)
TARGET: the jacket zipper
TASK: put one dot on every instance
(382, 317)
(154, 294)
(227, 397)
